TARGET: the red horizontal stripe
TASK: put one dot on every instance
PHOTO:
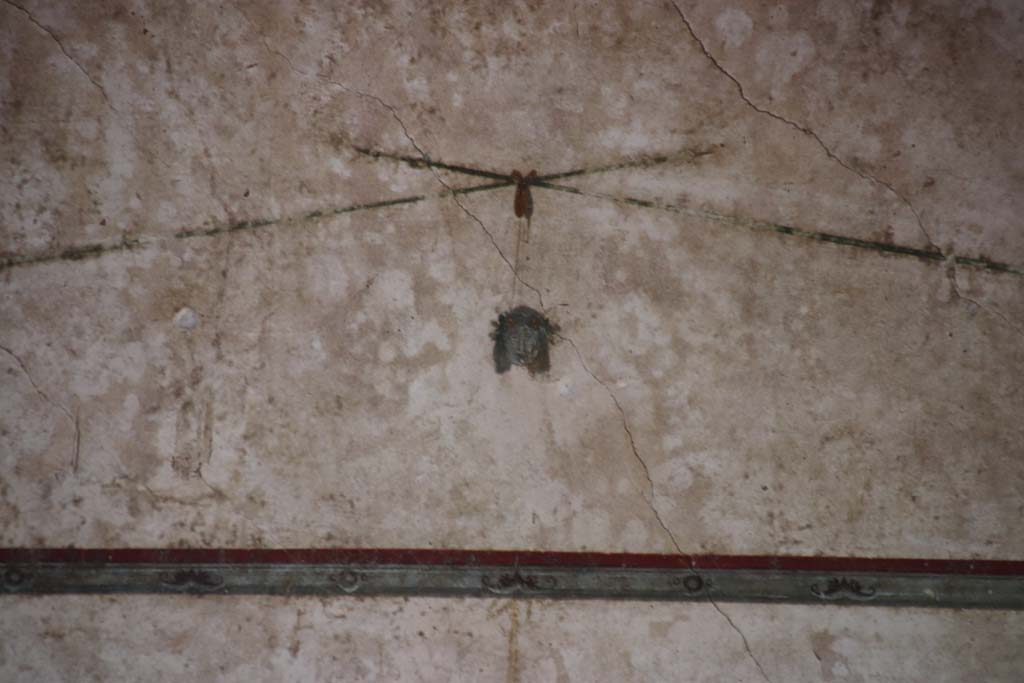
(432, 557)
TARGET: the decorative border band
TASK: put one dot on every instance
(727, 578)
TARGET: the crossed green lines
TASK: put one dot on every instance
(546, 182)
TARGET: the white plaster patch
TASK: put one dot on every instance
(626, 141)
(419, 87)
(421, 335)
(166, 437)
(326, 277)
(186, 318)
(316, 350)
(539, 497)
(650, 333)
(636, 536)
(589, 529)
(671, 442)
(386, 352)
(424, 391)
(339, 168)
(613, 102)
(671, 481)
(86, 128)
(782, 56)
(392, 290)
(734, 26)
(103, 366)
(398, 179)
(441, 266)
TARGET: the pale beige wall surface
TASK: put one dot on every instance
(208, 339)
(308, 639)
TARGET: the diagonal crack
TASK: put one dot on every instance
(949, 255)
(650, 500)
(687, 154)
(48, 31)
(649, 497)
(644, 161)
(951, 275)
(92, 79)
(746, 643)
(412, 141)
(451, 191)
(74, 419)
(490, 236)
(803, 129)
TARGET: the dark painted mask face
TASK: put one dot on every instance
(521, 337)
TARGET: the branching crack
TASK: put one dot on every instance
(949, 255)
(452, 192)
(689, 154)
(490, 236)
(72, 418)
(951, 275)
(501, 181)
(803, 129)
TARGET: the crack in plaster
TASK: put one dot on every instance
(217, 493)
(412, 141)
(425, 160)
(802, 128)
(982, 263)
(948, 255)
(74, 419)
(650, 499)
(951, 275)
(828, 152)
(95, 249)
(691, 154)
(490, 236)
(450, 191)
(99, 86)
(746, 643)
(544, 182)
(45, 29)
